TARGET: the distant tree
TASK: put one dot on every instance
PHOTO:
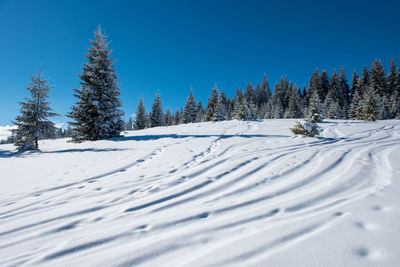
(294, 106)
(189, 112)
(212, 105)
(141, 119)
(156, 115)
(393, 78)
(324, 85)
(177, 117)
(199, 112)
(168, 118)
(129, 125)
(344, 93)
(356, 111)
(315, 109)
(315, 84)
(377, 79)
(96, 114)
(371, 108)
(221, 108)
(354, 84)
(332, 108)
(33, 123)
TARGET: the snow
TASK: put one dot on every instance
(244, 193)
(5, 131)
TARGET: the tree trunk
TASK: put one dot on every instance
(36, 143)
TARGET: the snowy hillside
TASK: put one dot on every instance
(220, 194)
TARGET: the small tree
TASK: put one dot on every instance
(156, 116)
(141, 119)
(371, 108)
(314, 109)
(189, 112)
(33, 123)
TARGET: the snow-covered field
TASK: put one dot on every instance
(220, 194)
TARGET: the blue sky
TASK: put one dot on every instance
(170, 46)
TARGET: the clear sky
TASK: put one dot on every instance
(170, 46)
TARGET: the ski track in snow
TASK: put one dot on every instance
(199, 190)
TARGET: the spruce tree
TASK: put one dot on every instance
(344, 93)
(332, 109)
(393, 78)
(199, 112)
(141, 119)
(96, 114)
(221, 109)
(315, 84)
(212, 105)
(168, 118)
(324, 85)
(156, 115)
(33, 123)
(129, 125)
(189, 112)
(371, 108)
(315, 109)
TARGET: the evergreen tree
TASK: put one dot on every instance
(212, 105)
(129, 125)
(177, 117)
(156, 115)
(96, 114)
(356, 111)
(332, 109)
(189, 112)
(354, 84)
(371, 108)
(315, 109)
(33, 123)
(221, 109)
(199, 112)
(395, 105)
(324, 85)
(393, 78)
(294, 107)
(344, 93)
(315, 84)
(377, 78)
(141, 119)
(168, 118)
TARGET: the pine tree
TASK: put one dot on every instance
(212, 105)
(332, 109)
(33, 123)
(315, 84)
(393, 78)
(168, 118)
(354, 84)
(141, 119)
(356, 111)
(189, 112)
(177, 117)
(315, 109)
(377, 79)
(221, 109)
(324, 85)
(344, 93)
(199, 112)
(294, 107)
(129, 125)
(96, 114)
(156, 115)
(371, 108)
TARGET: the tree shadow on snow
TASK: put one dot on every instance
(181, 136)
(9, 154)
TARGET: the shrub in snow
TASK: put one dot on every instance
(306, 129)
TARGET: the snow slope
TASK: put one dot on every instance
(207, 194)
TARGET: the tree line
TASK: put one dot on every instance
(97, 115)
(371, 96)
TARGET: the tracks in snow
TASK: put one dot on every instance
(238, 186)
